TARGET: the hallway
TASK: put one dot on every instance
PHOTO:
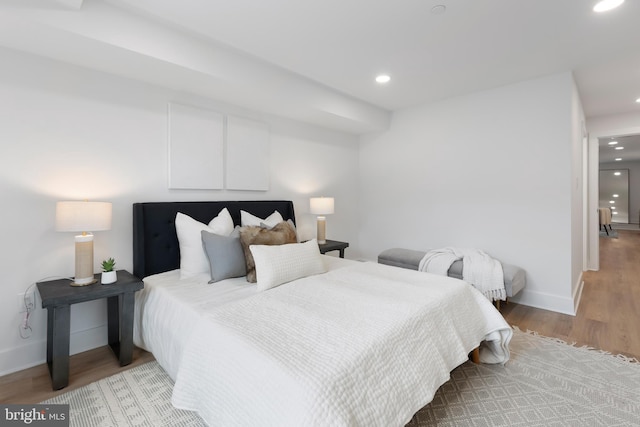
(608, 317)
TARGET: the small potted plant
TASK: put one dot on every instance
(108, 275)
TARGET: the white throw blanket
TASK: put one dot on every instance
(365, 345)
(478, 268)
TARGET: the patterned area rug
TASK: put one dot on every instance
(546, 383)
(140, 396)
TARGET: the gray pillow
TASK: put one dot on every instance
(226, 257)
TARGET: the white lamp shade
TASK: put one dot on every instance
(83, 216)
(321, 205)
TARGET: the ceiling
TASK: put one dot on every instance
(474, 45)
(631, 152)
(339, 46)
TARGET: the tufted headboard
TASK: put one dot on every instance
(155, 243)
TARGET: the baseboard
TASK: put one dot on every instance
(545, 301)
(23, 357)
(33, 353)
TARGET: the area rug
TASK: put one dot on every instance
(546, 383)
(140, 396)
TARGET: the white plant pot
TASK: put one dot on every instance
(109, 277)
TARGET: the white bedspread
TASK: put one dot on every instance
(168, 309)
(364, 345)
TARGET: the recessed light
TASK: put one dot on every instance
(616, 173)
(612, 201)
(618, 159)
(619, 148)
(616, 195)
(613, 142)
(638, 100)
(613, 208)
(605, 5)
(615, 213)
(383, 78)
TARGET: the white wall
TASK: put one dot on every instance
(491, 170)
(70, 133)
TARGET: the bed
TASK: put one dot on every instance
(362, 344)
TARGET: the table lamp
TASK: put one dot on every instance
(321, 206)
(83, 217)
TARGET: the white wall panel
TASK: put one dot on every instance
(196, 138)
(247, 154)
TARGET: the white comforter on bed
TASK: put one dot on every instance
(168, 309)
(364, 345)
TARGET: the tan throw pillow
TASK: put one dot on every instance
(281, 234)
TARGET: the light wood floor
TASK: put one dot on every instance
(608, 318)
(33, 385)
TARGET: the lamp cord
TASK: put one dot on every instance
(25, 327)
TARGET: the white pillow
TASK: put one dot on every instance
(193, 259)
(246, 219)
(278, 264)
(222, 224)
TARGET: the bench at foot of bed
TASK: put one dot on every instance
(514, 276)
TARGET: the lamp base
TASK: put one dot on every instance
(84, 283)
(322, 230)
(84, 261)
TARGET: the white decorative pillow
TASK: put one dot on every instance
(222, 224)
(247, 219)
(193, 259)
(280, 264)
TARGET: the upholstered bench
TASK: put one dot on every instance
(514, 277)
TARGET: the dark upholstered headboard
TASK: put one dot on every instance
(155, 243)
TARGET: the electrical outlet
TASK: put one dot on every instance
(28, 301)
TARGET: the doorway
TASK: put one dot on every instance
(616, 152)
(619, 178)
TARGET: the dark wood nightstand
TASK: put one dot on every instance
(57, 297)
(333, 245)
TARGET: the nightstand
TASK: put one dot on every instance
(57, 297)
(333, 245)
